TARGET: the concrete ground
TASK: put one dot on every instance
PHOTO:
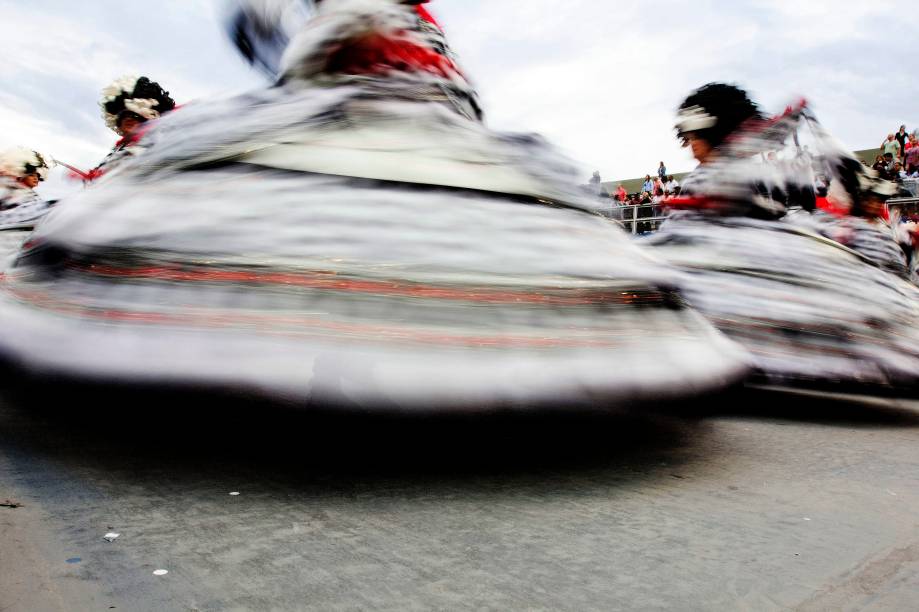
(750, 501)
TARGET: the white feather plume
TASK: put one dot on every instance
(119, 86)
(143, 107)
(694, 119)
(13, 162)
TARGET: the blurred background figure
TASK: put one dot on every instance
(892, 146)
(879, 163)
(887, 169)
(902, 138)
(648, 185)
(912, 155)
(672, 186)
(868, 228)
(596, 183)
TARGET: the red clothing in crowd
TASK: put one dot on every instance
(912, 157)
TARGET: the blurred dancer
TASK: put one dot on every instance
(869, 229)
(127, 104)
(21, 170)
(354, 235)
(806, 308)
(708, 121)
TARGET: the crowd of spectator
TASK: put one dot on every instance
(653, 190)
(899, 157)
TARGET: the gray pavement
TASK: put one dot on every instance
(749, 501)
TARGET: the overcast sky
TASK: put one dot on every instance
(600, 78)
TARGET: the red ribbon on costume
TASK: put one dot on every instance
(693, 202)
(377, 54)
(424, 14)
(828, 205)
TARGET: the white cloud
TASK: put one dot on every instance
(599, 78)
(602, 79)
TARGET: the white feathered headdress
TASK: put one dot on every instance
(21, 162)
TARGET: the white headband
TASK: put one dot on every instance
(693, 119)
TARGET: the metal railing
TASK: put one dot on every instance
(644, 225)
(906, 206)
(636, 218)
(631, 218)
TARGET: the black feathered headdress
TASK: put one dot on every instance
(138, 96)
(714, 111)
